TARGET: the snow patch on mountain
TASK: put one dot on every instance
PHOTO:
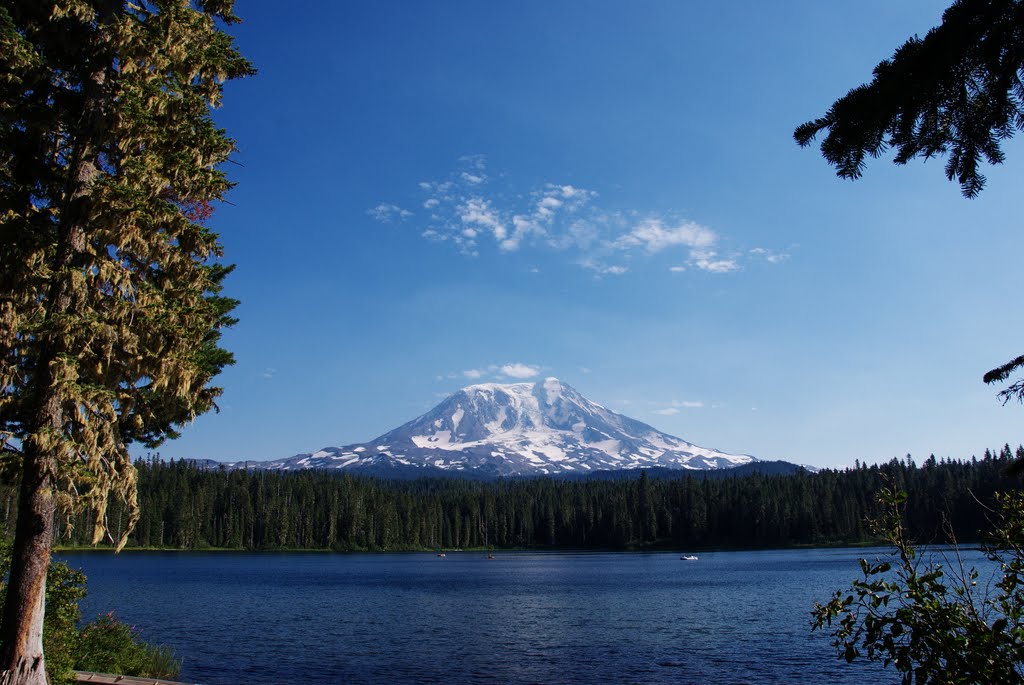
(538, 428)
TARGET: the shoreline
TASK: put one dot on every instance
(109, 549)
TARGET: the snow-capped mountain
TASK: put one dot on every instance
(538, 428)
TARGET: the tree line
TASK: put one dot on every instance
(184, 506)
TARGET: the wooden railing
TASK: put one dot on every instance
(108, 679)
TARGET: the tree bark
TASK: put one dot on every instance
(21, 632)
(21, 656)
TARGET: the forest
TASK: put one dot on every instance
(185, 506)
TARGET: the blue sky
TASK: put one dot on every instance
(440, 193)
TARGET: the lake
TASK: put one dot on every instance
(297, 618)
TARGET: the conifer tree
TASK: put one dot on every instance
(955, 92)
(959, 92)
(110, 304)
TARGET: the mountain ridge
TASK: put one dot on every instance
(542, 428)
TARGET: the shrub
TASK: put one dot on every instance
(105, 645)
(931, 623)
(109, 646)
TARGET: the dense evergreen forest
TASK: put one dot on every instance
(187, 507)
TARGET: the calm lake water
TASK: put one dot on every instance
(254, 619)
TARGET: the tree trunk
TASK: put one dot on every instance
(21, 630)
(21, 634)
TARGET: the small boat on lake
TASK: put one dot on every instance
(441, 554)
(689, 557)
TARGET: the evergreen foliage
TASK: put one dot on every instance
(187, 507)
(110, 308)
(110, 304)
(957, 91)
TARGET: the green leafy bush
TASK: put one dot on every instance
(109, 646)
(105, 645)
(930, 622)
(64, 588)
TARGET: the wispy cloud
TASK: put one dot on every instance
(473, 210)
(676, 407)
(669, 411)
(477, 215)
(708, 260)
(654, 235)
(517, 370)
(770, 256)
(387, 213)
(602, 269)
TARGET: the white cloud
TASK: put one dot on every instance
(770, 256)
(654, 236)
(571, 198)
(498, 371)
(570, 191)
(269, 372)
(464, 201)
(476, 211)
(602, 269)
(707, 260)
(386, 213)
(474, 161)
(522, 226)
(518, 370)
(549, 203)
(580, 234)
(676, 406)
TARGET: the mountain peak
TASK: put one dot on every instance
(535, 427)
(543, 427)
(549, 382)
